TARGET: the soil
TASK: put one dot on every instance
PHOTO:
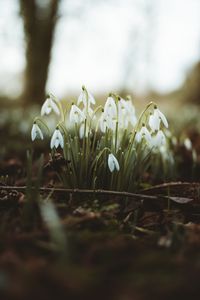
(103, 246)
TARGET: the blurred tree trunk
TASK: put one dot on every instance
(39, 25)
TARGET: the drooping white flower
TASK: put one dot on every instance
(154, 122)
(107, 121)
(123, 116)
(36, 132)
(122, 106)
(76, 115)
(57, 139)
(131, 112)
(48, 106)
(143, 133)
(85, 97)
(110, 108)
(160, 115)
(113, 163)
(158, 139)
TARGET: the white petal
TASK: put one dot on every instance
(40, 132)
(46, 109)
(159, 139)
(54, 107)
(116, 163)
(110, 107)
(81, 98)
(91, 98)
(113, 163)
(154, 122)
(81, 131)
(60, 139)
(56, 144)
(145, 132)
(122, 107)
(33, 132)
(162, 117)
(53, 139)
(76, 115)
(138, 137)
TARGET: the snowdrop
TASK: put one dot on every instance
(116, 131)
(57, 139)
(113, 163)
(158, 114)
(131, 112)
(143, 133)
(154, 122)
(108, 122)
(49, 106)
(122, 106)
(36, 132)
(110, 108)
(158, 139)
(122, 117)
(76, 115)
(86, 98)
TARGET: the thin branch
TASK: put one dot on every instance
(88, 191)
(172, 185)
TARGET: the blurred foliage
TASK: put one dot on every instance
(191, 88)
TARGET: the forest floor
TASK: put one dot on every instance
(102, 246)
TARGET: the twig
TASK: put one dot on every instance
(88, 191)
(172, 185)
(80, 191)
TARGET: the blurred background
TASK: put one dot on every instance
(147, 48)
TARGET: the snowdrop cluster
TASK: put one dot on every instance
(105, 145)
(152, 133)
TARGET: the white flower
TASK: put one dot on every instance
(158, 139)
(110, 108)
(57, 139)
(85, 97)
(36, 132)
(107, 121)
(49, 105)
(143, 133)
(131, 112)
(123, 116)
(160, 115)
(76, 115)
(122, 106)
(112, 163)
(154, 122)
